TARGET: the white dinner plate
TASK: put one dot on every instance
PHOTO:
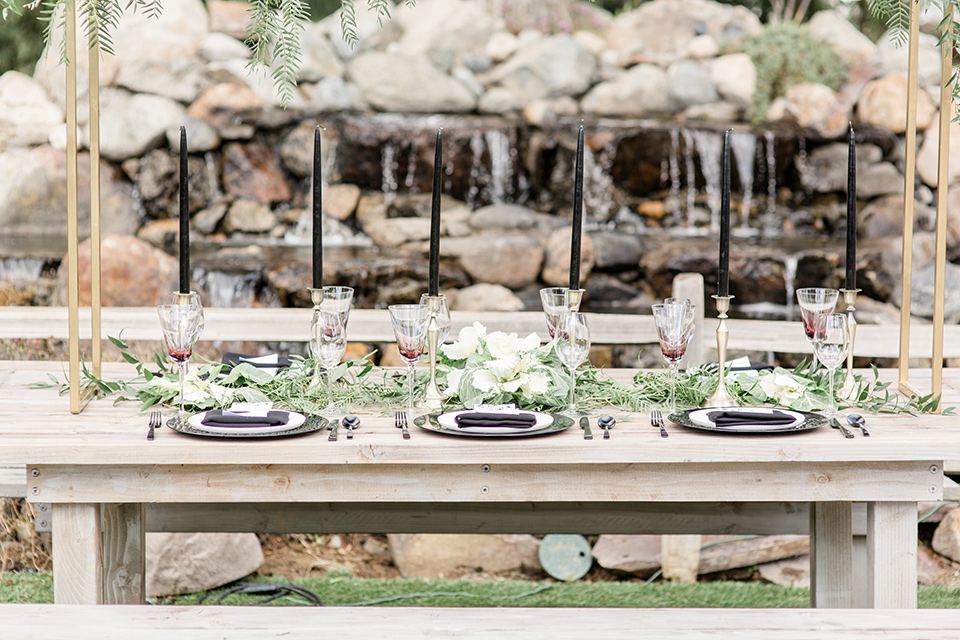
(294, 420)
(449, 421)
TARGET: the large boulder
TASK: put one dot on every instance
(445, 26)
(133, 274)
(511, 260)
(662, 30)
(846, 39)
(735, 78)
(825, 168)
(815, 107)
(549, 67)
(882, 101)
(27, 115)
(408, 84)
(372, 31)
(319, 58)
(438, 555)
(133, 124)
(179, 79)
(690, 84)
(556, 265)
(179, 563)
(253, 171)
(927, 156)
(891, 56)
(640, 92)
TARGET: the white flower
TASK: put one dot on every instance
(512, 386)
(466, 344)
(503, 344)
(504, 367)
(536, 384)
(782, 388)
(453, 382)
(484, 381)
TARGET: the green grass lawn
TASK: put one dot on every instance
(344, 590)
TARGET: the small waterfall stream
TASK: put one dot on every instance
(710, 151)
(771, 158)
(21, 269)
(790, 265)
(743, 147)
(388, 167)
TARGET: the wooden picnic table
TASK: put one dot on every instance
(107, 485)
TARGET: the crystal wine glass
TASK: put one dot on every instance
(675, 322)
(814, 302)
(831, 342)
(328, 342)
(338, 300)
(573, 347)
(182, 325)
(556, 303)
(410, 328)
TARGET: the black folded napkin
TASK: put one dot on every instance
(233, 359)
(732, 418)
(511, 420)
(218, 418)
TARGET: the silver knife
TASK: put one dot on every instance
(585, 425)
(836, 425)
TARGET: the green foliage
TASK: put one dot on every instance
(786, 55)
(896, 15)
(21, 38)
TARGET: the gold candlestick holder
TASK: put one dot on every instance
(186, 298)
(849, 388)
(574, 298)
(721, 397)
(433, 398)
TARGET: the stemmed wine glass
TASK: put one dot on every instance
(328, 342)
(410, 328)
(556, 303)
(573, 346)
(338, 300)
(815, 302)
(675, 322)
(182, 325)
(831, 342)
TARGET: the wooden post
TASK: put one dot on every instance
(831, 554)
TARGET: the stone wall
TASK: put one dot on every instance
(655, 87)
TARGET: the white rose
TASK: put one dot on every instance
(466, 344)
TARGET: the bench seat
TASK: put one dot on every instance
(146, 622)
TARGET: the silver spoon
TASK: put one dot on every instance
(606, 423)
(350, 422)
(856, 420)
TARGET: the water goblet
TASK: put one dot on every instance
(675, 322)
(815, 302)
(556, 303)
(328, 342)
(410, 328)
(573, 347)
(338, 300)
(182, 325)
(831, 342)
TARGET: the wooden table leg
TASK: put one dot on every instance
(892, 555)
(98, 554)
(77, 576)
(122, 531)
(831, 555)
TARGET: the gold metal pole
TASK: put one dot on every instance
(721, 397)
(73, 284)
(943, 178)
(910, 173)
(94, 121)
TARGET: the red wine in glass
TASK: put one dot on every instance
(411, 352)
(180, 356)
(673, 353)
(809, 324)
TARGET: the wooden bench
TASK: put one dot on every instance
(144, 622)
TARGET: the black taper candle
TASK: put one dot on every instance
(317, 214)
(851, 260)
(434, 284)
(723, 281)
(577, 228)
(184, 216)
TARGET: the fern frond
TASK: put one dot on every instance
(53, 18)
(100, 18)
(381, 8)
(348, 23)
(896, 15)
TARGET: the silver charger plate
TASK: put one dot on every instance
(805, 422)
(310, 425)
(429, 423)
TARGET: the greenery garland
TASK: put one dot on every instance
(361, 384)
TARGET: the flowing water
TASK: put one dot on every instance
(743, 148)
(710, 151)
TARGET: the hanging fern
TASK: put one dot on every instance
(896, 15)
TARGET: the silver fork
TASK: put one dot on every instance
(401, 423)
(153, 424)
(656, 418)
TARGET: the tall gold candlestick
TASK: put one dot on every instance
(849, 388)
(721, 397)
(433, 399)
